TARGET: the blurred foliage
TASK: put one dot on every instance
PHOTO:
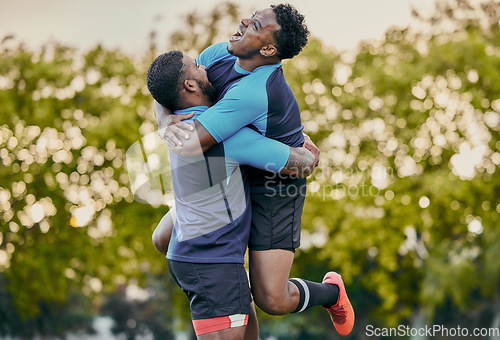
(405, 203)
(68, 221)
(55, 319)
(203, 30)
(143, 315)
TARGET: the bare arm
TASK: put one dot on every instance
(163, 232)
(197, 141)
(186, 139)
(300, 162)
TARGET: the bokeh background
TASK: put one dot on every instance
(405, 203)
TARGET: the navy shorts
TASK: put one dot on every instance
(276, 218)
(218, 293)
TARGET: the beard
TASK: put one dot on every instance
(208, 90)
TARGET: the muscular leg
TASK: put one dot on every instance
(269, 273)
(276, 294)
(236, 333)
(248, 332)
(252, 330)
(275, 230)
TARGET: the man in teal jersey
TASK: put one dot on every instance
(251, 91)
(212, 204)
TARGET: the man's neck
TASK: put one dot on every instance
(196, 101)
(251, 64)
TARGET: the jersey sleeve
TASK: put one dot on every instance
(248, 147)
(213, 53)
(243, 104)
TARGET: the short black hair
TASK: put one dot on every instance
(293, 35)
(165, 77)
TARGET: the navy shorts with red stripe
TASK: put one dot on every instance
(214, 290)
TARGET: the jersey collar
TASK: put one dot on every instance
(240, 70)
(196, 109)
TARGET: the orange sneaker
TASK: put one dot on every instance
(341, 313)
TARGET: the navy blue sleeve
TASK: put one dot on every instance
(248, 147)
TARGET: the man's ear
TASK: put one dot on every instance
(268, 51)
(190, 85)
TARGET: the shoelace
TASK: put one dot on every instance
(338, 314)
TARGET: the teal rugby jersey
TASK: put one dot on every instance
(212, 197)
(261, 100)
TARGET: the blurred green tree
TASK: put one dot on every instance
(203, 30)
(68, 221)
(405, 202)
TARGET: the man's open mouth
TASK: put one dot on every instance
(236, 36)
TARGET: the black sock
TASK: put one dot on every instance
(315, 294)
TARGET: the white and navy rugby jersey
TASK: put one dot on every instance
(261, 100)
(212, 197)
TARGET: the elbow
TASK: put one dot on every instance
(160, 243)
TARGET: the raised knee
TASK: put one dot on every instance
(271, 304)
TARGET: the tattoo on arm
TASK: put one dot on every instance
(300, 162)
